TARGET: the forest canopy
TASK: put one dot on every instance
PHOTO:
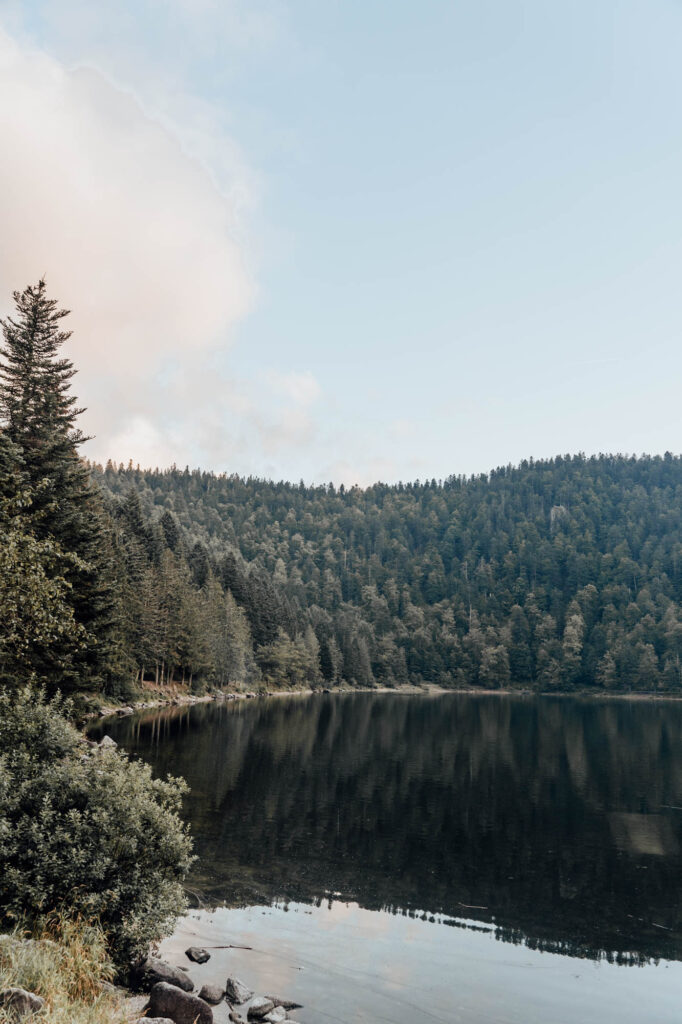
(561, 574)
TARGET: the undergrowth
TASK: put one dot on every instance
(66, 962)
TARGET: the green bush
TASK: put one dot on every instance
(85, 831)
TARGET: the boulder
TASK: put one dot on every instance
(276, 1015)
(106, 743)
(212, 994)
(181, 1007)
(19, 1003)
(236, 991)
(154, 1020)
(152, 971)
(288, 1004)
(235, 1018)
(260, 1007)
(197, 956)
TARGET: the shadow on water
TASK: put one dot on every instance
(558, 822)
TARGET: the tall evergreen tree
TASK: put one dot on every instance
(40, 415)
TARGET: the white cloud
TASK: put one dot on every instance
(130, 231)
(137, 204)
(142, 441)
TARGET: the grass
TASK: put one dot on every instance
(67, 964)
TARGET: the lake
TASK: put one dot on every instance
(442, 857)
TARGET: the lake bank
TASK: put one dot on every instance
(156, 700)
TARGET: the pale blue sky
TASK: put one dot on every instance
(460, 224)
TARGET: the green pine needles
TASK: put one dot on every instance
(57, 548)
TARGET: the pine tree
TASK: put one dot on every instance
(40, 418)
(38, 631)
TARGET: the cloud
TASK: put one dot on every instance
(130, 230)
(127, 191)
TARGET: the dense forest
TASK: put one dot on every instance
(558, 575)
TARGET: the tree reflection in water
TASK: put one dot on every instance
(556, 821)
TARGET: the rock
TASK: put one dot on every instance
(212, 994)
(106, 743)
(154, 1020)
(153, 971)
(236, 991)
(276, 1015)
(19, 1003)
(260, 1007)
(288, 1004)
(235, 1018)
(197, 956)
(182, 1008)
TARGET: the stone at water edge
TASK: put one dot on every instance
(19, 1003)
(182, 1008)
(212, 994)
(236, 991)
(154, 970)
(197, 956)
(106, 743)
(260, 1007)
(276, 1015)
(154, 1020)
(288, 1004)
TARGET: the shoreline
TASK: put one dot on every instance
(182, 699)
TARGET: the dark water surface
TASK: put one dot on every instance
(554, 825)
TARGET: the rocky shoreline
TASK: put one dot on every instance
(161, 993)
(180, 995)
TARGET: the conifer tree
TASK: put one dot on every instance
(38, 632)
(39, 415)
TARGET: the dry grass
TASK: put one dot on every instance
(67, 964)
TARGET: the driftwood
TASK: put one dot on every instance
(229, 947)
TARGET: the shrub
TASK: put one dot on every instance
(85, 831)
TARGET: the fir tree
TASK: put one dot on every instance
(40, 417)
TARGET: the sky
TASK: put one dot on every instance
(307, 239)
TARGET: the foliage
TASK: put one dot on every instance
(67, 963)
(561, 574)
(39, 629)
(85, 830)
(39, 420)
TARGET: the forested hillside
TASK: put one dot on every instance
(559, 574)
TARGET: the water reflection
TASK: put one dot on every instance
(558, 821)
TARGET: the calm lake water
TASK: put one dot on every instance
(445, 858)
